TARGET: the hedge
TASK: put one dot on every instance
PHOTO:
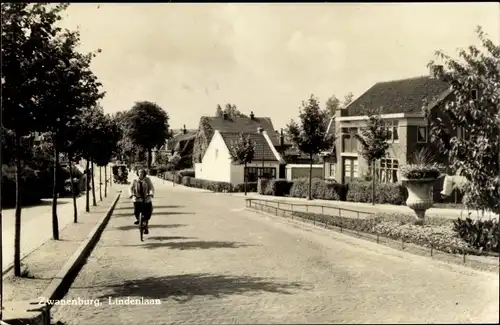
(319, 189)
(390, 193)
(214, 186)
(278, 187)
(30, 181)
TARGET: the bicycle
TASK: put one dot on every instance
(142, 223)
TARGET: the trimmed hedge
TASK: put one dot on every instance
(319, 189)
(278, 187)
(217, 186)
(361, 191)
(32, 191)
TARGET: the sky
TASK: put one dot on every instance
(265, 58)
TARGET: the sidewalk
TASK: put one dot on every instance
(46, 261)
(36, 223)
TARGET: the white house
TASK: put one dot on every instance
(217, 165)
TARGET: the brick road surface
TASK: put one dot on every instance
(209, 261)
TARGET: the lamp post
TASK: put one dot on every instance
(260, 130)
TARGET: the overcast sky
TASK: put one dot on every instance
(264, 58)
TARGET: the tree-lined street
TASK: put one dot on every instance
(209, 261)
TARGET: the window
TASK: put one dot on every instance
(216, 153)
(392, 128)
(349, 141)
(386, 170)
(422, 134)
(253, 173)
(333, 168)
(350, 169)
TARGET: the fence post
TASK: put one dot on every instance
(322, 210)
(465, 253)
(340, 212)
(307, 208)
(314, 219)
(432, 248)
(278, 204)
(378, 239)
(291, 214)
(276, 211)
(402, 243)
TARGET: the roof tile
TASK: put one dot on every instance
(261, 148)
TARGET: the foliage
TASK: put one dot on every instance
(481, 234)
(203, 138)
(320, 189)
(161, 157)
(438, 233)
(333, 104)
(373, 137)
(387, 193)
(230, 110)
(218, 111)
(242, 150)
(106, 136)
(310, 136)
(278, 187)
(214, 186)
(475, 108)
(30, 180)
(146, 124)
(413, 171)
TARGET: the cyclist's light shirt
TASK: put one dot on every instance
(141, 189)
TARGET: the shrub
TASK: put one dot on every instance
(261, 185)
(251, 187)
(278, 187)
(320, 189)
(480, 234)
(31, 187)
(186, 172)
(419, 171)
(210, 185)
(153, 171)
(186, 180)
(437, 232)
(390, 193)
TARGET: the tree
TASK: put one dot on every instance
(475, 109)
(71, 86)
(147, 126)
(27, 34)
(373, 139)
(230, 110)
(333, 104)
(310, 136)
(218, 111)
(107, 134)
(242, 152)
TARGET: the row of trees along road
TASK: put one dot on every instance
(49, 88)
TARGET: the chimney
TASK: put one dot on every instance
(282, 138)
(435, 71)
(184, 129)
(252, 116)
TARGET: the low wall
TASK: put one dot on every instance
(295, 171)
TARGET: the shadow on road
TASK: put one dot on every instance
(134, 227)
(193, 245)
(187, 286)
(154, 206)
(160, 238)
(155, 213)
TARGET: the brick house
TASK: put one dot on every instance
(401, 103)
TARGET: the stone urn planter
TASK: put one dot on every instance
(419, 180)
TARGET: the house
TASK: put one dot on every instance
(400, 102)
(212, 149)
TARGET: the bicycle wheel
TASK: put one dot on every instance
(141, 227)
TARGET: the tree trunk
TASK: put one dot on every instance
(373, 182)
(87, 187)
(105, 181)
(55, 222)
(245, 177)
(73, 192)
(309, 193)
(149, 159)
(17, 230)
(100, 183)
(94, 202)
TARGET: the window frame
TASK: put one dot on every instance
(386, 170)
(426, 134)
(390, 126)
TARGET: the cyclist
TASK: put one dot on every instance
(141, 191)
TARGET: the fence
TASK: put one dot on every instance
(334, 221)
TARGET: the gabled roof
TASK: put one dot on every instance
(179, 137)
(245, 125)
(398, 96)
(261, 145)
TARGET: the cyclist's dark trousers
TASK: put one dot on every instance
(145, 208)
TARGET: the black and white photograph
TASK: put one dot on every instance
(250, 163)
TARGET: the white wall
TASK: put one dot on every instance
(237, 171)
(216, 163)
(294, 171)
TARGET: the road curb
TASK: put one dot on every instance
(40, 314)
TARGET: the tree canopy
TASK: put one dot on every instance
(473, 108)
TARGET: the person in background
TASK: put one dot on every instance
(141, 192)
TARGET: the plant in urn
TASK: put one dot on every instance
(419, 180)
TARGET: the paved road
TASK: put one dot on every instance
(36, 223)
(208, 261)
